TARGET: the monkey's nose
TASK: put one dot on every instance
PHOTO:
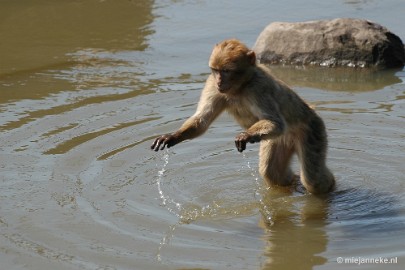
(222, 88)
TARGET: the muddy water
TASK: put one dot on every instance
(86, 85)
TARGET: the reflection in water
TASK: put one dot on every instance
(336, 79)
(297, 237)
(297, 230)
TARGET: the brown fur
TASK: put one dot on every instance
(270, 112)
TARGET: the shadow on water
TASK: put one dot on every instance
(337, 79)
(302, 226)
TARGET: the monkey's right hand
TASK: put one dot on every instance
(243, 138)
(164, 140)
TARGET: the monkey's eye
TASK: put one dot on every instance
(222, 72)
(226, 71)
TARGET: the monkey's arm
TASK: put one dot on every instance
(261, 129)
(209, 107)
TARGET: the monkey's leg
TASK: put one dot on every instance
(315, 176)
(274, 164)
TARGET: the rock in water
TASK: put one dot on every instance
(338, 42)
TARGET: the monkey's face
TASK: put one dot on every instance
(224, 70)
(231, 62)
(224, 79)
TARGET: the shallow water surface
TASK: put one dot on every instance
(85, 87)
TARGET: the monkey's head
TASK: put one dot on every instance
(232, 64)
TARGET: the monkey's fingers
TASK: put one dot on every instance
(158, 144)
(154, 144)
(240, 145)
(164, 143)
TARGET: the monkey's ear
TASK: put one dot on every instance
(252, 57)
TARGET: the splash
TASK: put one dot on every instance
(185, 213)
(259, 192)
(172, 206)
(166, 240)
(189, 213)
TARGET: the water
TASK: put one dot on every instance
(85, 87)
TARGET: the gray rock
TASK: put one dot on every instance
(338, 42)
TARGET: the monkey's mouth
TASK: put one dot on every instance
(223, 89)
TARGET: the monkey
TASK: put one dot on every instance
(268, 110)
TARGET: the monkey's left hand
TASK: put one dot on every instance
(165, 140)
(243, 138)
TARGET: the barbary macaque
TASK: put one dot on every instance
(269, 111)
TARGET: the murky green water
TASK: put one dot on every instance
(86, 85)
